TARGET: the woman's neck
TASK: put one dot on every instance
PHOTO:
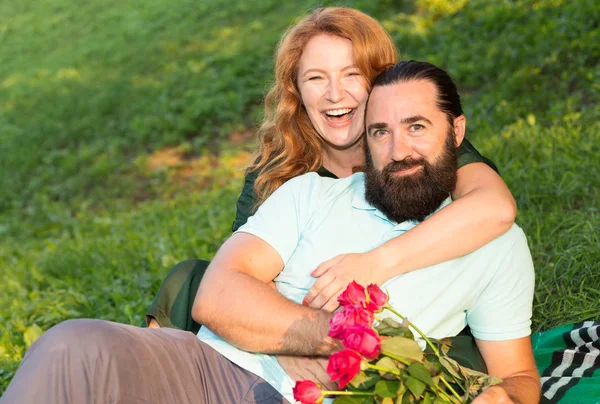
(341, 161)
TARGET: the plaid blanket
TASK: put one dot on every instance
(568, 359)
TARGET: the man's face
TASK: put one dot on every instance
(411, 150)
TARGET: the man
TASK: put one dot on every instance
(249, 299)
(414, 122)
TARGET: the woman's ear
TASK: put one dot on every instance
(460, 126)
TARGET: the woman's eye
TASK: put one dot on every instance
(314, 78)
(354, 74)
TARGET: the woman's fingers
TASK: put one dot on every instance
(333, 303)
(317, 289)
(327, 289)
(325, 265)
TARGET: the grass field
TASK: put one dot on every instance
(123, 128)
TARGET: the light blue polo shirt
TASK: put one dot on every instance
(311, 219)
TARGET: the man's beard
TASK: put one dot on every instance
(413, 196)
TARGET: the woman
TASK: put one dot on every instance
(314, 118)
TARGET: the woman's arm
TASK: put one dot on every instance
(482, 210)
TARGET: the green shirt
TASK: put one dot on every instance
(467, 154)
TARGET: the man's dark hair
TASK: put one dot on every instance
(448, 99)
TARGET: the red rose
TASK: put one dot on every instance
(307, 392)
(337, 324)
(343, 366)
(354, 294)
(364, 340)
(358, 315)
(349, 316)
(377, 298)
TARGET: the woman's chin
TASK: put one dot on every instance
(342, 142)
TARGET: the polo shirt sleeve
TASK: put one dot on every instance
(281, 219)
(503, 310)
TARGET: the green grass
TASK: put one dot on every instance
(89, 92)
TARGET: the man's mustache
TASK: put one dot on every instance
(403, 165)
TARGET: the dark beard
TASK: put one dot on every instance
(416, 196)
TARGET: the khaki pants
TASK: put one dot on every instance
(95, 361)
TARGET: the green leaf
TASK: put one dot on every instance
(433, 365)
(418, 371)
(415, 386)
(428, 398)
(387, 388)
(388, 363)
(407, 398)
(353, 400)
(451, 366)
(391, 328)
(31, 334)
(365, 380)
(402, 347)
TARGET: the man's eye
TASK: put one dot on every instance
(379, 132)
(416, 127)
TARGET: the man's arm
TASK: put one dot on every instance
(236, 302)
(513, 361)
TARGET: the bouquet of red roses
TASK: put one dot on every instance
(382, 363)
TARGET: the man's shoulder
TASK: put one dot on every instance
(511, 246)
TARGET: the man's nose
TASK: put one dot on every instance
(401, 148)
(335, 91)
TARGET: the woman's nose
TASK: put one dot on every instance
(335, 91)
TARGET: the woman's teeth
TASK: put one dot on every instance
(338, 112)
(339, 115)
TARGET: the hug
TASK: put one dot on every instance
(365, 174)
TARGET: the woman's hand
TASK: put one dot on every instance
(335, 274)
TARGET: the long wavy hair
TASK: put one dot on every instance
(289, 145)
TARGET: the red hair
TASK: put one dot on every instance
(289, 145)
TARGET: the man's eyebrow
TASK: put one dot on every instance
(376, 125)
(416, 118)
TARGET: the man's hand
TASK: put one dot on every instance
(306, 368)
(493, 395)
(335, 274)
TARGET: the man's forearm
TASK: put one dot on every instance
(254, 317)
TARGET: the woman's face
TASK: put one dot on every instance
(333, 90)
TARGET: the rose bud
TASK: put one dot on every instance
(307, 392)
(377, 298)
(354, 294)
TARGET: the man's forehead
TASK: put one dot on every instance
(406, 97)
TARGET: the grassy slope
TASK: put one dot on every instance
(90, 91)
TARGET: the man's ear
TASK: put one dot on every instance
(460, 126)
